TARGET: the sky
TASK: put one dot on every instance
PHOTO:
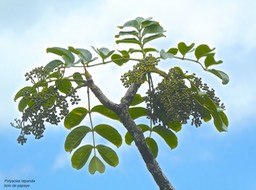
(204, 158)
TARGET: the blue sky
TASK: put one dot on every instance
(204, 158)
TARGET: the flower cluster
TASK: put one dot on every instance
(138, 74)
(42, 104)
(173, 101)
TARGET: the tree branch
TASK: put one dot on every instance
(122, 111)
(101, 96)
(129, 95)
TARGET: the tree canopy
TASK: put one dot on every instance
(174, 97)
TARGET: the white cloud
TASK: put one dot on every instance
(61, 161)
(17, 173)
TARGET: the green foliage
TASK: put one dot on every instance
(75, 137)
(109, 133)
(80, 156)
(165, 107)
(75, 117)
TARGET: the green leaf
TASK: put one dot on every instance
(67, 56)
(75, 137)
(137, 99)
(105, 111)
(152, 145)
(124, 33)
(56, 75)
(209, 60)
(83, 54)
(153, 28)
(105, 52)
(40, 83)
(22, 92)
(109, 133)
(223, 76)
(80, 156)
(141, 19)
(108, 155)
(173, 51)
(148, 22)
(209, 104)
(206, 114)
(120, 59)
(153, 37)
(23, 104)
(131, 23)
(53, 64)
(224, 118)
(128, 137)
(78, 78)
(202, 50)
(96, 165)
(165, 55)
(217, 120)
(184, 49)
(168, 136)
(145, 50)
(64, 85)
(137, 112)
(176, 126)
(75, 117)
(129, 41)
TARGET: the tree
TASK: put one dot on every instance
(180, 97)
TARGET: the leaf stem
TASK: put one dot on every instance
(90, 118)
(191, 60)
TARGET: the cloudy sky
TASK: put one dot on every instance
(204, 159)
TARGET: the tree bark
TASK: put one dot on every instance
(122, 111)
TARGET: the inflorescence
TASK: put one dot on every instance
(173, 101)
(44, 104)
